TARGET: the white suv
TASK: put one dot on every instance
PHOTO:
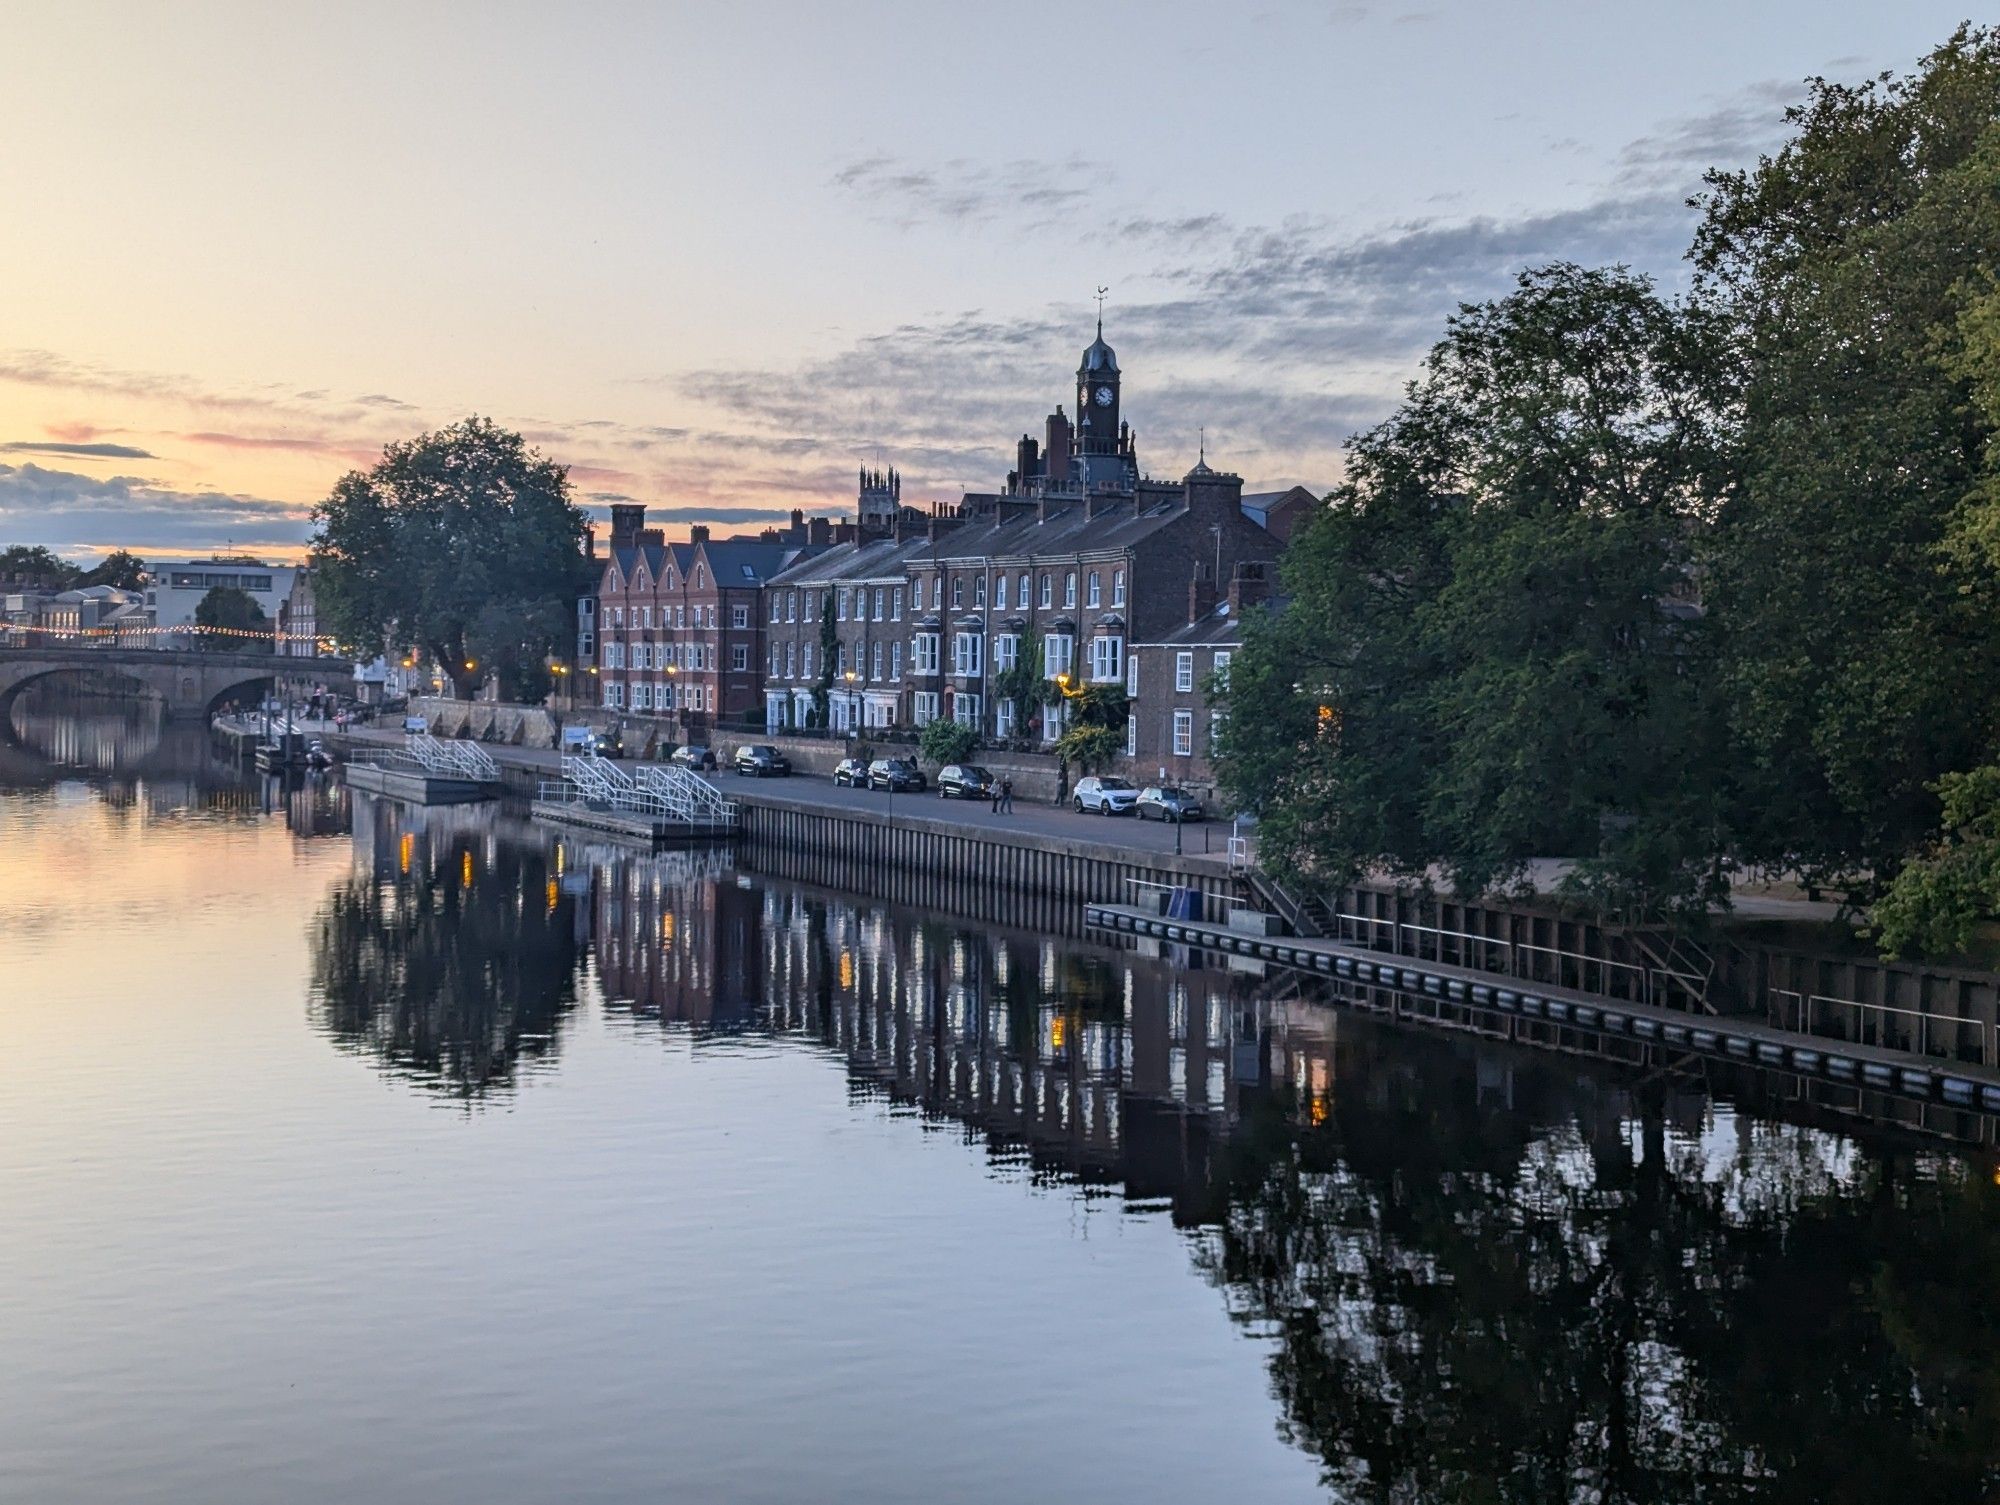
(1109, 795)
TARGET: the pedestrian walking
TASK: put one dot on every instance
(995, 791)
(1006, 797)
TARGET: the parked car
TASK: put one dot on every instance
(693, 756)
(852, 772)
(1165, 802)
(760, 760)
(1105, 795)
(896, 775)
(587, 740)
(965, 781)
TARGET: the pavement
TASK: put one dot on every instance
(1757, 900)
(819, 792)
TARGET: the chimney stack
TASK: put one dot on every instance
(627, 518)
(1201, 593)
(1249, 585)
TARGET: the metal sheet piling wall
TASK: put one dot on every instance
(1014, 878)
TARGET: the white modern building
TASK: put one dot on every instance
(177, 587)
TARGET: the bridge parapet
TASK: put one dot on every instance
(189, 681)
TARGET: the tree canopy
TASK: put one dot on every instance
(1671, 587)
(1488, 651)
(37, 565)
(232, 615)
(120, 568)
(463, 542)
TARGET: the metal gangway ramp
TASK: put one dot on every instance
(597, 778)
(691, 797)
(457, 760)
(668, 796)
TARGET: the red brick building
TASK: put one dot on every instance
(678, 629)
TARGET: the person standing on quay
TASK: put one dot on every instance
(1006, 802)
(996, 797)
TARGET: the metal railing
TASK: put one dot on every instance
(1872, 1024)
(458, 760)
(665, 793)
(688, 792)
(1524, 959)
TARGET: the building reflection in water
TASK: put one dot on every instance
(450, 953)
(1099, 1065)
(1484, 1273)
(135, 760)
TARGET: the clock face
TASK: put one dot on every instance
(1104, 397)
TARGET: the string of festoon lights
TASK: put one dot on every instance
(119, 634)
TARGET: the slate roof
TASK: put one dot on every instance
(876, 559)
(1221, 628)
(1117, 524)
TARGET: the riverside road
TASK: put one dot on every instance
(818, 792)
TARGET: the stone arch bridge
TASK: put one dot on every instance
(190, 682)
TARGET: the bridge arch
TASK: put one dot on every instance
(190, 683)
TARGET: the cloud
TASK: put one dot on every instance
(960, 192)
(77, 451)
(66, 510)
(308, 445)
(1735, 133)
(43, 368)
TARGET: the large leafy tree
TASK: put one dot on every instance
(464, 542)
(37, 565)
(233, 620)
(1489, 652)
(1855, 571)
(120, 568)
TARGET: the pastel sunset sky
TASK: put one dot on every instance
(714, 256)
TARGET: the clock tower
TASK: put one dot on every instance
(1097, 399)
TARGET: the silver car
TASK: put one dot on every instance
(1105, 794)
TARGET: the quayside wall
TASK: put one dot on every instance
(1014, 876)
(947, 865)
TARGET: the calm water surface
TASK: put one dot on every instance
(356, 1153)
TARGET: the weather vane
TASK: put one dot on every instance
(1100, 308)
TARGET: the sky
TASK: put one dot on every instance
(717, 257)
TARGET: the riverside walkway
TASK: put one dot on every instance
(1203, 842)
(1930, 1078)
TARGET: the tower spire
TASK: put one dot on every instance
(1100, 310)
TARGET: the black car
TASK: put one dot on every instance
(966, 781)
(693, 756)
(853, 772)
(896, 775)
(1165, 802)
(760, 760)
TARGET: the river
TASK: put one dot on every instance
(350, 1152)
